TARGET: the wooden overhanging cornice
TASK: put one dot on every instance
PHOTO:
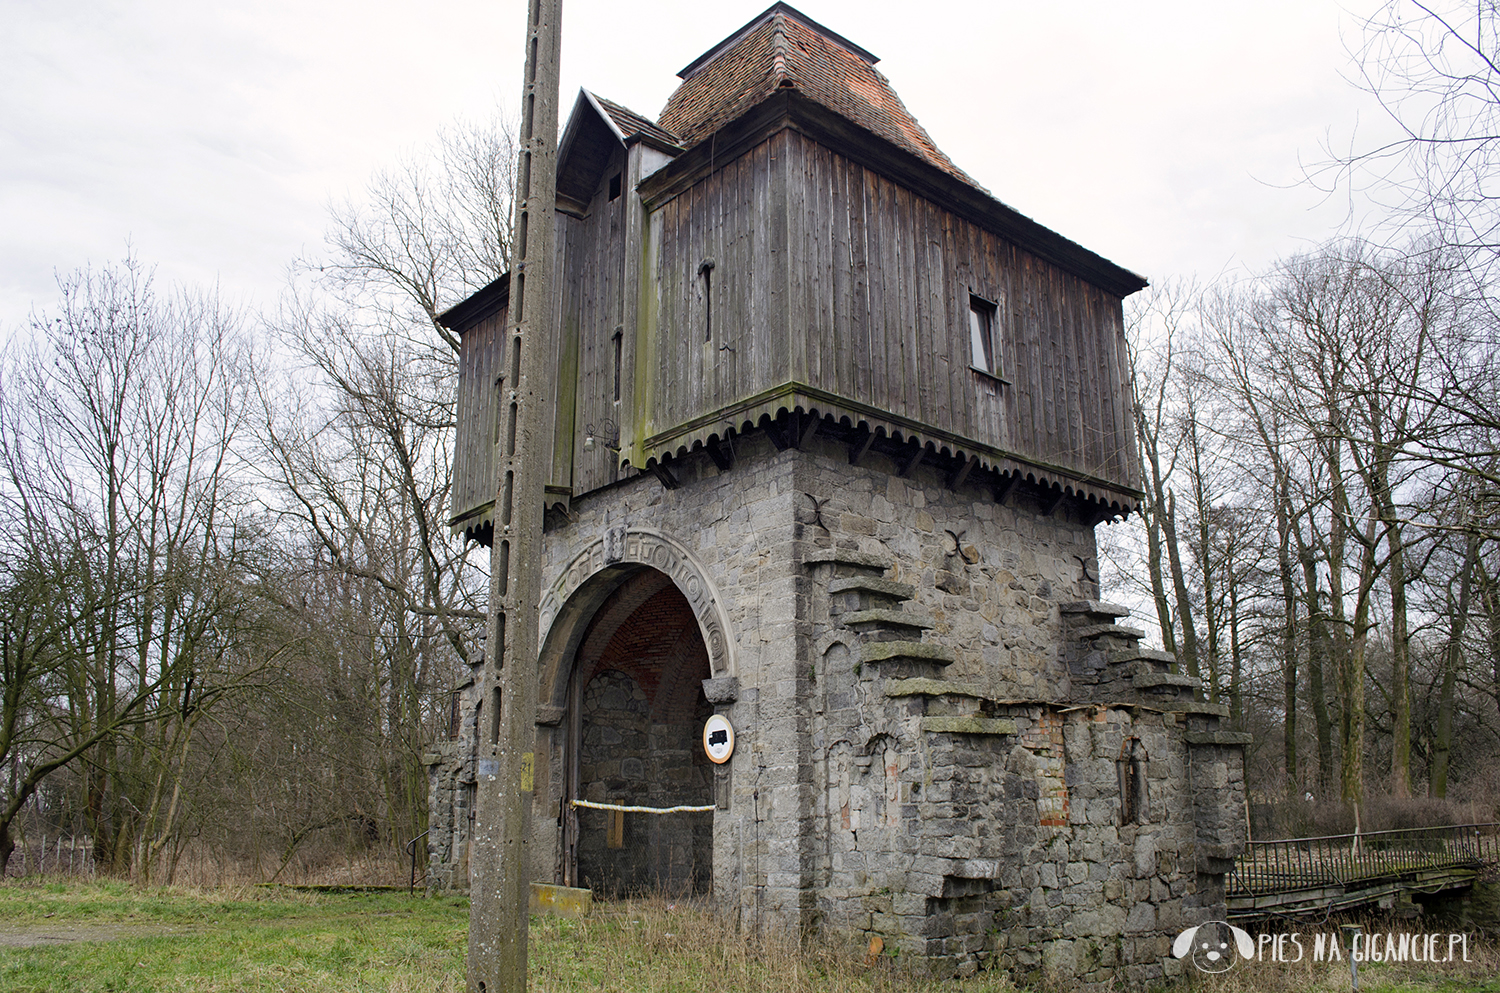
(707, 432)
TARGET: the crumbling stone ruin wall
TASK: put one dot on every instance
(450, 796)
(944, 740)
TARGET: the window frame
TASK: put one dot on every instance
(984, 338)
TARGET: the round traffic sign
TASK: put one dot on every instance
(718, 739)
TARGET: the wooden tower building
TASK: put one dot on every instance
(833, 432)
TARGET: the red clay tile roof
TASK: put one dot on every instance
(634, 126)
(783, 48)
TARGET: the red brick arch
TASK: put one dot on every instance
(647, 630)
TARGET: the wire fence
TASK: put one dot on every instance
(71, 855)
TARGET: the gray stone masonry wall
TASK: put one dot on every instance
(450, 803)
(627, 759)
(943, 739)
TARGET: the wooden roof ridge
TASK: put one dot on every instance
(786, 10)
(632, 127)
(784, 49)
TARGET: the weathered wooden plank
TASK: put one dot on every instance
(801, 256)
(859, 286)
(874, 262)
(777, 270)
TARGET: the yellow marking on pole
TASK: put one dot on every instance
(528, 765)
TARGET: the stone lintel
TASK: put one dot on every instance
(885, 651)
(897, 618)
(1094, 607)
(722, 689)
(968, 725)
(919, 686)
(1218, 737)
(846, 556)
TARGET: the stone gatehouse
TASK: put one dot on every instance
(834, 433)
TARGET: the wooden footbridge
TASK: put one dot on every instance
(1294, 876)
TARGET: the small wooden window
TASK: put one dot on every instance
(984, 348)
(614, 187)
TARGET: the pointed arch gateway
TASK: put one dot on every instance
(632, 629)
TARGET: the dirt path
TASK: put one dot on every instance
(66, 933)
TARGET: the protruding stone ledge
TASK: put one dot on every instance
(845, 556)
(872, 584)
(896, 618)
(1151, 680)
(1218, 737)
(1147, 655)
(921, 651)
(722, 689)
(1192, 707)
(1094, 607)
(919, 686)
(1091, 631)
(550, 716)
(969, 725)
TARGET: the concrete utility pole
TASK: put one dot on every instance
(500, 889)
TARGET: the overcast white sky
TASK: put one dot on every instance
(1165, 136)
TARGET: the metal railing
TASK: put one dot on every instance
(411, 849)
(1338, 860)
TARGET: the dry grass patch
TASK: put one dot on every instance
(659, 946)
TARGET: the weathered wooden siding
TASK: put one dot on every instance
(480, 361)
(593, 310)
(867, 298)
(732, 218)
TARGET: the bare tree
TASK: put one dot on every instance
(117, 430)
(356, 442)
(1432, 67)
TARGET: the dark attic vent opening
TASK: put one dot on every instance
(617, 340)
(705, 270)
(614, 187)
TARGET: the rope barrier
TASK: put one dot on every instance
(643, 810)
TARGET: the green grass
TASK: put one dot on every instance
(248, 940)
(255, 939)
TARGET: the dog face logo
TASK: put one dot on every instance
(1209, 946)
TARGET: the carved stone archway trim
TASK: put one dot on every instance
(625, 547)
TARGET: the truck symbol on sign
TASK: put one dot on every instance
(719, 737)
